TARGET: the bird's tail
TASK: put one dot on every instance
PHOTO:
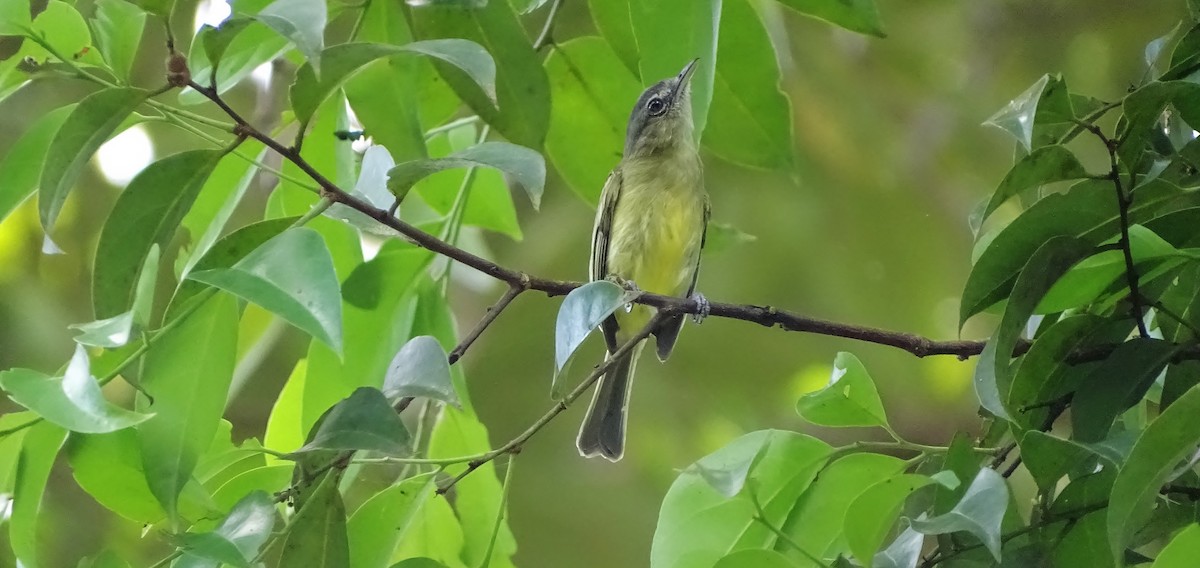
(603, 430)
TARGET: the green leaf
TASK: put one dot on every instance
(850, 398)
(1047, 264)
(1117, 384)
(670, 34)
(38, 451)
(23, 164)
(89, 125)
(523, 94)
(61, 26)
(523, 164)
(489, 203)
(1044, 165)
(363, 421)
(215, 40)
(816, 522)
(855, 15)
(225, 253)
(301, 22)
(980, 512)
(754, 558)
(316, 536)
(581, 312)
(421, 562)
(187, 375)
(1043, 374)
(904, 552)
(750, 121)
(106, 559)
(1045, 102)
(590, 105)
(14, 17)
(700, 524)
(1169, 439)
(1085, 544)
(245, 530)
(118, 25)
(870, 517)
(292, 276)
(1182, 551)
(420, 368)
(724, 236)
(255, 45)
(1048, 458)
(161, 8)
(613, 21)
(268, 479)
(206, 221)
(73, 401)
(1087, 211)
(148, 212)
(377, 527)
(1096, 275)
(341, 61)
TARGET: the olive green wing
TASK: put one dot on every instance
(601, 233)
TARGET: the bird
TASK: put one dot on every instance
(649, 231)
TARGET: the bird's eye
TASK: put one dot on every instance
(656, 106)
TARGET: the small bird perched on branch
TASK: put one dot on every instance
(649, 230)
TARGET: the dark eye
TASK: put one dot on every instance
(656, 106)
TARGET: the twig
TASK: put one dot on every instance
(488, 318)
(514, 445)
(546, 37)
(1124, 200)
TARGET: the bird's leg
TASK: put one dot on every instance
(628, 285)
(703, 307)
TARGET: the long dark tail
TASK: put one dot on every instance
(603, 430)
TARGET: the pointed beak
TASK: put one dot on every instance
(688, 70)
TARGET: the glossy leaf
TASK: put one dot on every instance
(420, 368)
(691, 507)
(88, 126)
(750, 121)
(612, 19)
(489, 202)
(215, 40)
(1117, 384)
(1087, 211)
(22, 166)
(1085, 543)
(904, 552)
(754, 558)
(225, 253)
(526, 166)
(816, 522)
(292, 276)
(850, 398)
(106, 559)
(980, 512)
(118, 26)
(251, 47)
(1044, 165)
(148, 212)
(73, 401)
(592, 105)
(1165, 442)
(363, 421)
(187, 375)
(1047, 264)
(302, 22)
(316, 536)
(670, 34)
(1095, 275)
(246, 529)
(1048, 458)
(1182, 551)
(871, 515)
(1046, 101)
(38, 450)
(14, 17)
(341, 61)
(1043, 374)
(581, 312)
(377, 527)
(522, 111)
(855, 15)
(221, 195)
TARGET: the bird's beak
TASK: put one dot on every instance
(688, 70)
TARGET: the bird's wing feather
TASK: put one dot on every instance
(601, 233)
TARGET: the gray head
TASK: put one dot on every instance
(662, 117)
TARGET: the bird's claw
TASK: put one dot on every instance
(702, 307)
(627, 284)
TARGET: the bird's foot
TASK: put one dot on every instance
(702, 307)
(625, 283)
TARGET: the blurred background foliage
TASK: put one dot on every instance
(869, 226)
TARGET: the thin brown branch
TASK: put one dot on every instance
(763, 315)
(514, 445)
(489, 317)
